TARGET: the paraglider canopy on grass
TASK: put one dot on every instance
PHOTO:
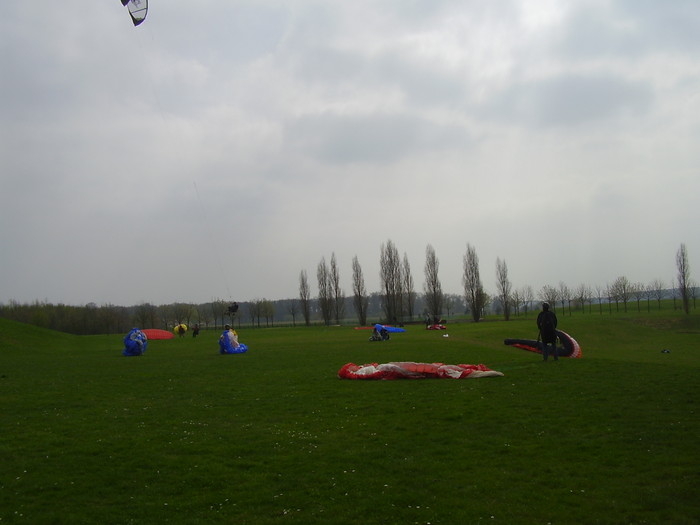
(569, 346)
(228, 342)
(389, 328)
(411, 370)
(135, 343)
(156, 333)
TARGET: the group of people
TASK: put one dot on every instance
(230, 337)
(135, 341)
(379, 334)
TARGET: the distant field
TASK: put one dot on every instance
(185, 435)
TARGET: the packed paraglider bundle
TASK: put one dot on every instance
(135, 343)
(228, 342)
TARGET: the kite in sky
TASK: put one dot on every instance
(137, 9)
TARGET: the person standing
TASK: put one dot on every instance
(547, 326)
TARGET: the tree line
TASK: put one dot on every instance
(396, 302)
(398, 296)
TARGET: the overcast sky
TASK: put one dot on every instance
(223, 146)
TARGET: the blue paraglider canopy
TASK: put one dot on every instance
(228, 343)
(388, 328)
(135, 343)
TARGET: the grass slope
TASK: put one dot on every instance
(185, 435)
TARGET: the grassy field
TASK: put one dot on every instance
(185, 435)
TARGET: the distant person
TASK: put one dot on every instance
(547, 326)
(181, 330)
(195, 330)
(230, 336)
(135, 343)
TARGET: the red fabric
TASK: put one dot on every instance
(410, 370)
(155, 333)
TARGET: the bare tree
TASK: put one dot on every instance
(564, 296)
(589, 298)
(254, 312)
(638, 291)
(181, 311)
(360, 298)
(621, 290)
(305, 297)
(683, 277)
(549, 294)
(218, 310)
(528, 296)
(325, 291)
(656, 291)
(409, 293)
(293, 310)
(448, 301)
(165, 311)
(338, 295)
(474, 294)
(582, 293)
(503, 286)
(432, 286)
(145, 315)
(267, 310)
(517, 299)
(391, 282)
(599, 290)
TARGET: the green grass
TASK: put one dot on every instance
(185, 435)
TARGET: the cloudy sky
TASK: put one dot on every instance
(224, 146)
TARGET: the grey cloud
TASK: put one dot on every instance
(424, 85)
(631, 28)
(373, 138)
(236, 33)
(569, 100)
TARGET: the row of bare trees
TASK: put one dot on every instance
(395, 302)
(399, 298)
(397, 287)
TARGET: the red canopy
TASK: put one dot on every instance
(155, 333)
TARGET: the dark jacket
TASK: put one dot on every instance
(547, 324)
